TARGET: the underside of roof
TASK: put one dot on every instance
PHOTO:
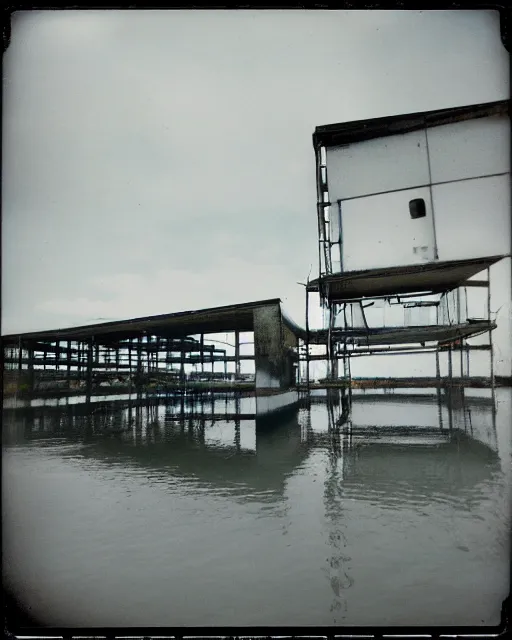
(430, 277)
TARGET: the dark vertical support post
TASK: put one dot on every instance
(201, 343)
(182, 362)
(491, 349)
(30, 368)
(45, 352)
(459, 342)
(346, 355)
(148, 346)
(89, 369)
(68, 362)
(307, 336)
(117, 359)
(438, 385)
(237, 354)
(20, 355)
(57, 355)
(139, 364)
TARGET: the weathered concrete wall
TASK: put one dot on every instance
(273, 343)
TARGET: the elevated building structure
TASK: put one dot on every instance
(406, 205)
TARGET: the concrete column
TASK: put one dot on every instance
(272, 344)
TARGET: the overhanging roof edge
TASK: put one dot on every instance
(359, 130)
(125, 324)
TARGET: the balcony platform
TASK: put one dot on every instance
(424, 278)
(437, 334)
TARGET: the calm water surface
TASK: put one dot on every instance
(155, 516)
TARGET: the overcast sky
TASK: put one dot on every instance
(162, 161)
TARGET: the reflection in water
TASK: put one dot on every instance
(192, 466)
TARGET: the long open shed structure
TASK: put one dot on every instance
(143, 344)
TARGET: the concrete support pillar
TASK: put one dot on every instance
(272, 355)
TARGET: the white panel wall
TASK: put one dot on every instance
(472, 217)
(378, 231)
(469, 149)
(374, 166)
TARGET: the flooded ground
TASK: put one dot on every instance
(197, 513)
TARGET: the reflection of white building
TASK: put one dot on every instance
(414, 217)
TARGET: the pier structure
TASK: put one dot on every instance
(387, 188)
